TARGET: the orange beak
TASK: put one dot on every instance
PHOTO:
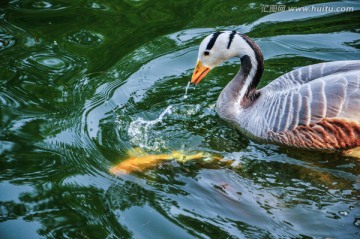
(200, 72)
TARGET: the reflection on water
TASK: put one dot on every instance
(84, 82)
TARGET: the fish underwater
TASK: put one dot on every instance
(139, 160)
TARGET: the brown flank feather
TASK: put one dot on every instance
(329, 134)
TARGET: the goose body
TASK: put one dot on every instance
(312, 107)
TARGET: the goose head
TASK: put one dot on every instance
(213, 51)
(219, 47)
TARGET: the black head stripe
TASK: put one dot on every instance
(212, 40)
(231, 37)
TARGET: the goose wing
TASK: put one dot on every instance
(309, 94)
(306, 74)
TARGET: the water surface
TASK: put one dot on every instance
(84, 82)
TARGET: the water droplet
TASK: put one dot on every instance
(95, 5)
(98, 6)
(343, 213)
(357, 221)
(42, 5)
(86, 38)
(252, 5)
(139, 131)
(186, 90)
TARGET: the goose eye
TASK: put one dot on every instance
(206, 53)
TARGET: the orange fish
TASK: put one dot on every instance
(139, 161)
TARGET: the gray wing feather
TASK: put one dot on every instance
(306, 74)
(309, 94)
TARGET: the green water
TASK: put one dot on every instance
(82, 82)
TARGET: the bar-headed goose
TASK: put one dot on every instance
(313, 107)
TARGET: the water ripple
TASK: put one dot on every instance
(6, 41)
(39, 5)
(9, 98)
(62, 127)
(86, 38)
(49, 62)
(11, 36)
(98, 6)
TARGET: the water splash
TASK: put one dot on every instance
(186, 90)
(139, 131)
